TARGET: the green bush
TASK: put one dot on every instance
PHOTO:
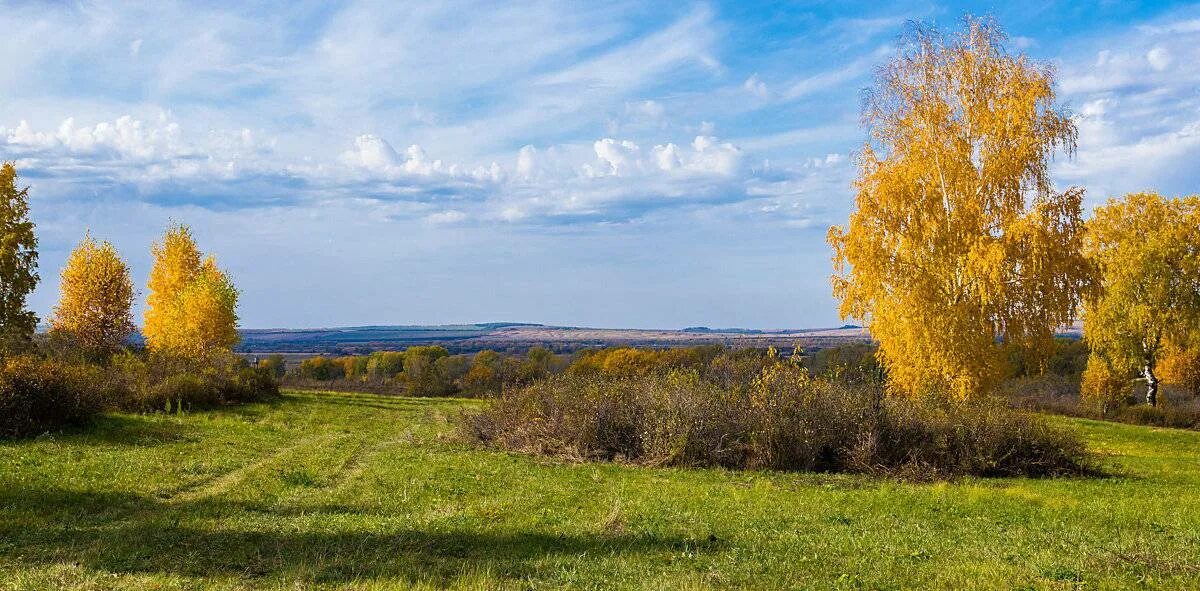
(274, 365)
(175, 391)
(781, 420)
(38, 395)
(320, 368)
(384, 365)
(141, 383)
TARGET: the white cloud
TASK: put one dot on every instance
(707, 155)
(418, 162)
(373, 153)
(827, 161)
(667, 157)
(712, 155)
(1139, 113)
(755, 86)
(527, 161)
(617, 158)
(126, 137)
(1159, 58)
(450, 216)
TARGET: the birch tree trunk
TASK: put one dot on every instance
(1151, 384)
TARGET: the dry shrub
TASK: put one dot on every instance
(1045, 393)
(1176, 408)
(983, 439)
(38, 395)
(781, 420)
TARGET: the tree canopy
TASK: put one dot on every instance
(1146, 250)
(95, 297)
(191, 308)
(958, 239)
(18, 262)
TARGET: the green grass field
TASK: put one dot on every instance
(359, 491)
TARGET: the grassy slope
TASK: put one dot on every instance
(340, 490)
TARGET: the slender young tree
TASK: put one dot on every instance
(176, 264)
(18, 262)
(191, 307)
(958, 239)
(95, 297)
(1146, 250)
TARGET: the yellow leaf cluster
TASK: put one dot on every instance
(191, 308)
(95, 297)
(958, 239)
(1181, 367)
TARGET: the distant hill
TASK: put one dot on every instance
(513, 336)
(520, 336)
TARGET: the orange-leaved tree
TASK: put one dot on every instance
(958, 239)
(95, 298)
(1146, 250)
(191, 307)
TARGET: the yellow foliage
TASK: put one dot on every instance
(1102, 386)
(191, 309)
(958, 238)
(1181, 367)
(628, 362)
(1146, 250)
(95, 296)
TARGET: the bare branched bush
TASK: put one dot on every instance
(782, 419)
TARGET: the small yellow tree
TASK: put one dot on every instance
(958, 239)
(1102, 386)
(95, 296)
(191, 308)
(176, 264)
(1146, 250)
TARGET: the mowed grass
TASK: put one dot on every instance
(358, 491)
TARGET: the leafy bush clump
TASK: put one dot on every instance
(38, 395)
(155, 382)
(781, 420)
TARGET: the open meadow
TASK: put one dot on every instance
(313, 296)
(333, 490)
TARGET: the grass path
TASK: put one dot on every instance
(361, 491)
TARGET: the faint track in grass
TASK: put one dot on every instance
(221, 483)
(358, 462)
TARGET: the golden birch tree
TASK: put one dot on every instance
(95, 297)
(191, 307)
(1146, 250)
(958, 239)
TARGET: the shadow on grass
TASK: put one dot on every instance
(135, 430)
(131, 534)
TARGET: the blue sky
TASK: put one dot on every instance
(616, 164)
